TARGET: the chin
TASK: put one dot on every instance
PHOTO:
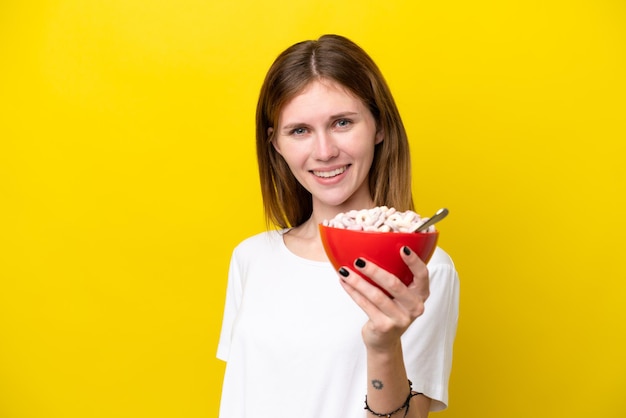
(344, 201)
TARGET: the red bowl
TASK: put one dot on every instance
(343, 246)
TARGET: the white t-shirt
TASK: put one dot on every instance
(291, 336)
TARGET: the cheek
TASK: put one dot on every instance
(364, 151)
(296, 151)
(366, 157)
(293, 156)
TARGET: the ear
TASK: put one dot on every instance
(379, 136)
(270, 133)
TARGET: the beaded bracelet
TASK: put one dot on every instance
(405, 405)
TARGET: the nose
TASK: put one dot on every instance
(325, 147)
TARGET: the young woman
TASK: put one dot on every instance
(301, 339)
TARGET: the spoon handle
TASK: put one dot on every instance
(439, 215)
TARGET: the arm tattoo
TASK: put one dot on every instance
(377, 384)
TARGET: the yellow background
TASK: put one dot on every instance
(127, 175)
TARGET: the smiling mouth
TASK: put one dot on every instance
(329, 174)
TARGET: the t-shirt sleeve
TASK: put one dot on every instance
(428, 343)
(234, 291)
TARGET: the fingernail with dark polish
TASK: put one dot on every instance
(359, 263)
(344, 272)
(406, 250)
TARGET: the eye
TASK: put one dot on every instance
(343, 123)
(298, 131)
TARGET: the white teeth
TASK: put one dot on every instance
(329, 174)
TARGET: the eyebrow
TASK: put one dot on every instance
(331, 117)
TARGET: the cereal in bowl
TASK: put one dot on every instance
(380, 219)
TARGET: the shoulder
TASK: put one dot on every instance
(259, 243)
(441, 265)
(440, 258)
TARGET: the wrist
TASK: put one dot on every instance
(389, 351)
(405, 406)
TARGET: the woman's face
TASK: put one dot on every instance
(327, 137)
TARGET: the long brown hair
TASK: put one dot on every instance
(336, 58)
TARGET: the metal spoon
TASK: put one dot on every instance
(439, 215)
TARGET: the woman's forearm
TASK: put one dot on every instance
(388, 386)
